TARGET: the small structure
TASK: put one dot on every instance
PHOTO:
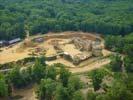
(81, 57)
(96, 49)
(51, 57)
(67, 56)
(57, 47)
(38, 49)
(14, 41)
(87, 45)
(97, 41)
(39, 40)
(3, 43)
(83, 45)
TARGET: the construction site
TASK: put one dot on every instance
(69, 48)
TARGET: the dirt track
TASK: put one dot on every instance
(98, 64)
(27, 93)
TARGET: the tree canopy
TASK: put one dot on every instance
(42, 16)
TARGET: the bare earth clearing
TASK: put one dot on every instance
(27, 93)
(12, 53)
(92, 66)
(18, 51)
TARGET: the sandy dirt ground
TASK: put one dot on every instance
(70, 48)
(27, 93)
(60, 60)
(92, 66)
(10, 54)
(106, 52)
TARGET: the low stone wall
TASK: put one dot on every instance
(97, 53)
(50, 58)
(67, 57)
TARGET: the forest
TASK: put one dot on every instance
(111, 18)
(42, 16)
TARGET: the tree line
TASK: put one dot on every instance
(42, 16)
(124, 46)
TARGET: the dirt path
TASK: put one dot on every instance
(25, 94)
(90, 67)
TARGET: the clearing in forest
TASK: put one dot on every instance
(69, 48)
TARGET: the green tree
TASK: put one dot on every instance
(26, 75)
(3, 86)
(78, 96)
(110, 42)
(128, 49)
(64, 76)
(61, 93)
(38, 71)
(128, 63)
(116, 63)
(74, 84)
(51, 72)
(91, 95)
(42, 60)
(16, 77)
(119, 91)
(115, 43)
(129, 82)
(46, 89)
(101, 97)
(97, 76)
